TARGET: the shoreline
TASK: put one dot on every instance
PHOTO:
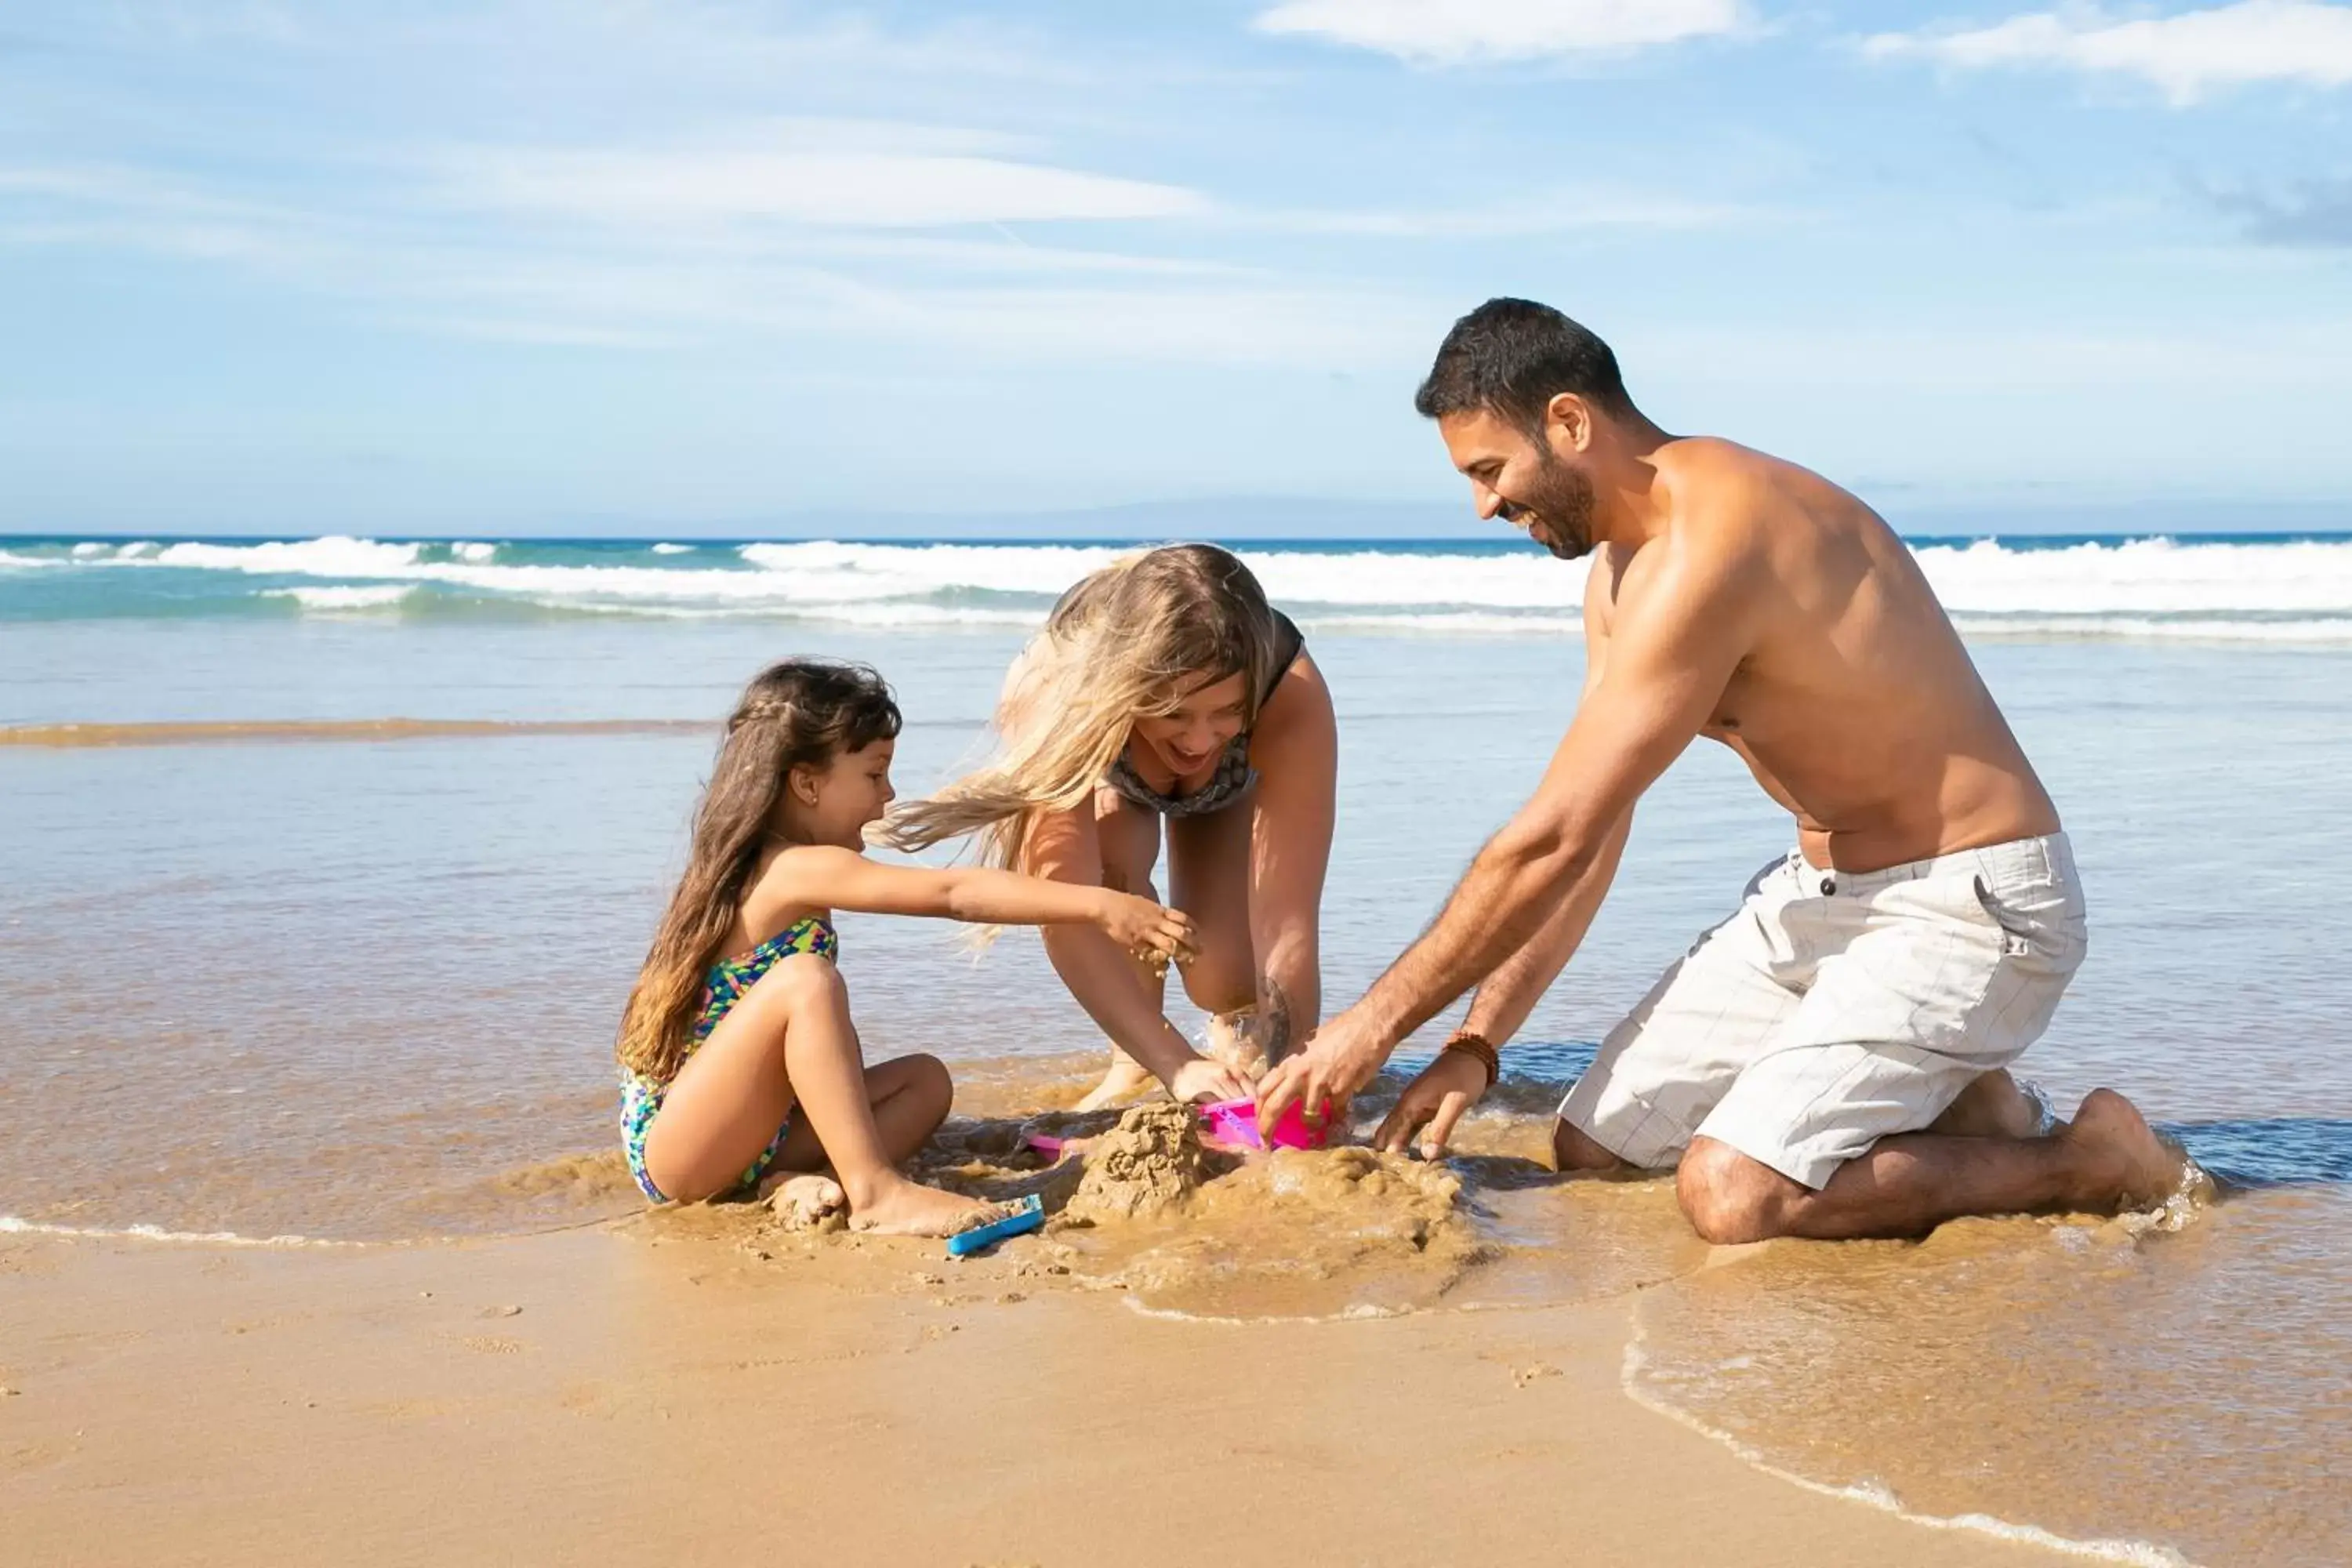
(545, 1397)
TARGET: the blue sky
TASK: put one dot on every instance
(555, 265)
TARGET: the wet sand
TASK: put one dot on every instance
(365, 993)
(626, 1393)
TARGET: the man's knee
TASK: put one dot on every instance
(1729, 1198)
(1572, 1149)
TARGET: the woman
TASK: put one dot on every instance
(1165, 693)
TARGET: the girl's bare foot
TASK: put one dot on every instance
(1124, 1079)
(2135, 1168)
(806, 1203)
(897, 1206)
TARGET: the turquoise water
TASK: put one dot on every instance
(367, 988)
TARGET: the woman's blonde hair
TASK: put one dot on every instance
(799, 713)
(1132, 640)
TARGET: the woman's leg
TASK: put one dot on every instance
(1129, 839)
(790, 1040)
(1209, 878)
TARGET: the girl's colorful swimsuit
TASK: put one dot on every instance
(728, 979)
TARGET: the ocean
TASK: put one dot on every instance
(275, 968)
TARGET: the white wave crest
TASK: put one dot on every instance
(345, 601)
(334, 556)
(12, 1225)
(2144, 577)
(2262, 592)
(1398, 579)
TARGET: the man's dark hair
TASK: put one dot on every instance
(1511, 357)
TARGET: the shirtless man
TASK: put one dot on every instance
(1828, 1062)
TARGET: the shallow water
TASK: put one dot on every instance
(359, 986)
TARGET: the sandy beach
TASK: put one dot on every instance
(541, 1400)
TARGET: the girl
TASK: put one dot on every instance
(736, 1047)
(1164, 692)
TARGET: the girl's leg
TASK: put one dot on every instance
(790, 1039)
(910, 1096)
(1129, 837)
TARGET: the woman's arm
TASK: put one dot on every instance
(819, 876)
(1296, 751)
(1064, 848)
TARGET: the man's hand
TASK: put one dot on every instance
(1438, 1095)
(1324, 1075)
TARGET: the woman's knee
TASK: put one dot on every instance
(1220, 982)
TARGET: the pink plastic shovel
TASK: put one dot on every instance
(1233, 1124)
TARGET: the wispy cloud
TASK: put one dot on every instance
(1558, 212)
(2186, 55)
(1450, 32)
(588, 248)
(2318, 214)
(846, 188)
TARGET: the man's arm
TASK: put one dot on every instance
(1505, 997)
(1683, 622)
(1443, 1092)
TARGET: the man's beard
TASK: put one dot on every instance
(1559, 503)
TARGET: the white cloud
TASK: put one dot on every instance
(850, 189)
(2186, 55)
(514, 275)
(1447, 32)
(1541, 212)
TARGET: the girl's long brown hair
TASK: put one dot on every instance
(799, 713)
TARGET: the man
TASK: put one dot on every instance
(1829, 1062)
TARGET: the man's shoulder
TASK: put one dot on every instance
(1718, 484)
(1733, 502)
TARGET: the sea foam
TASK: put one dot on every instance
(2254, 591)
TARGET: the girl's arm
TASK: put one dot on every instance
(1296, 749)
(821, 875)
(1065, 847)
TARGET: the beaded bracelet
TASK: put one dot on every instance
(1475, 1045)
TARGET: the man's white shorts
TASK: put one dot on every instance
(1836, 1009)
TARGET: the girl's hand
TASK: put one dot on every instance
(1149, 932)
(1201, 1080)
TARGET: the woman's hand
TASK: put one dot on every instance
(1145, 930)
(1201, 1080)
(1439, 1095)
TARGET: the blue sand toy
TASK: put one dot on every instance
(1029, 1215)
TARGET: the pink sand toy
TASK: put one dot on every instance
(1233, 1124)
